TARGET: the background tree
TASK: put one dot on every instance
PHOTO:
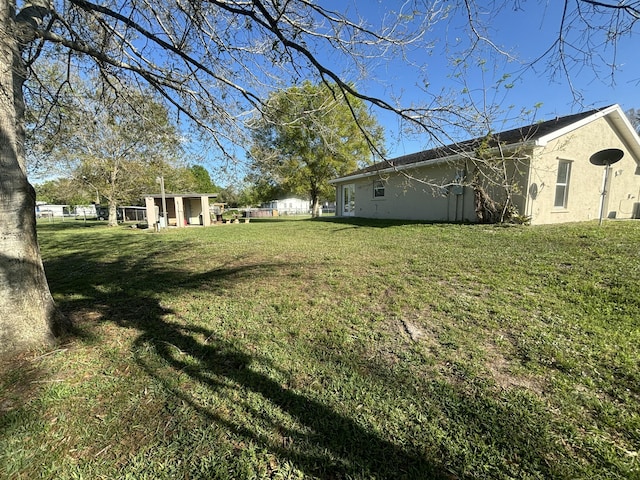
(202, 180)
(236, 197)
(63, 191)
(634, 118)
(229, 195)
(306, 136)
(212, 62)
(259, 188)
(75, 190)
(116, 142)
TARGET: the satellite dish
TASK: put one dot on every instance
(606, 157)
(533, 190)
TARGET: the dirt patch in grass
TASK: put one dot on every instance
(501, 370)
(418, 331)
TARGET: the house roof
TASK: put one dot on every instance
(536, 134)
(282, 199)
(182, 195)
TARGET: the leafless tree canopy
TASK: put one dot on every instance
(215, 61)
(587, 37)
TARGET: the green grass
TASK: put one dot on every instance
(327, 349)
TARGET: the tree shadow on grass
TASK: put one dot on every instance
(318, 439)
(324, 443)
(332, 446)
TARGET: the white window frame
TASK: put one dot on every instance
(378, 188)
(562, 184)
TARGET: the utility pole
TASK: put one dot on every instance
(160, 180)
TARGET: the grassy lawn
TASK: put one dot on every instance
(333, 350)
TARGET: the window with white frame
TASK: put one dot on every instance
(378, 188)
(562, 184)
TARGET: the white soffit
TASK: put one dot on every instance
(615, 116)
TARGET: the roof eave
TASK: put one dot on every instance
(619, 121)
(545, 139)
(426, 163)
(398, 168)
(179, 195)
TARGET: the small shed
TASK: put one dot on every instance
(182, 209)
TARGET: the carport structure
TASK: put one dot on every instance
(182, 209)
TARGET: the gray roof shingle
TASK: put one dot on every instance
(516, 135)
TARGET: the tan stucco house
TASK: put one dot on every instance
(551, 177)
(182, 209)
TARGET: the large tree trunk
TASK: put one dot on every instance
(315, 207)
(314, 192)
(113, 214)
(27, 309)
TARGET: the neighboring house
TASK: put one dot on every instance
(547, 164)
(86, 210)
(48, 210)
(289, 206)
(182, 209)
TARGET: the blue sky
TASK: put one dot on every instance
(536, 92)
(526, 34)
